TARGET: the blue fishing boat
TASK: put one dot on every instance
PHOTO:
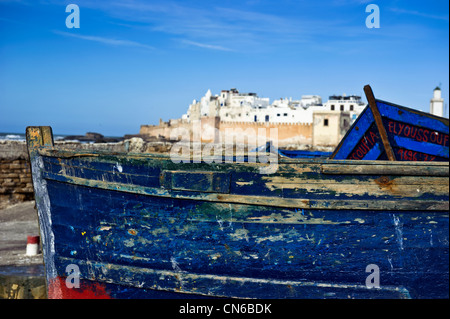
(269, 147)
(119, 225)
(386, 131)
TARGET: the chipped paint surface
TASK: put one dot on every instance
(308, 231)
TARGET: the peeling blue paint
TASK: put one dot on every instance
(307, 231)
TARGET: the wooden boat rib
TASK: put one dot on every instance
(142, 226)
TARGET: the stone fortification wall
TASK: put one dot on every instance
(288, 134)
(209, 128)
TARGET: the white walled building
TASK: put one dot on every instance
(437, 103)
(342, 103)
(233, 106)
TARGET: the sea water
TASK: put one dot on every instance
(21, 137)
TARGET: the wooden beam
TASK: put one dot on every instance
(47, 135)
(381, 204)
(379, 122)
(39, 136)
(384, 169)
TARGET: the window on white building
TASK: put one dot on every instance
(325, 122)
(332, 107)
(342, 107)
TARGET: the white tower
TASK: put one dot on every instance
(437, 103)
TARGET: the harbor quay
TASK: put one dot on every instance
(21, 275)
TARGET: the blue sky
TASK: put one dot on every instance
(134, 62)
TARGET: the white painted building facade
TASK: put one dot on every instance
(233, 106)
(342, 103)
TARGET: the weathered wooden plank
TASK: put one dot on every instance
(287, 184)
(364, 180)
(333, 175)
(380, 204)
(438, 170)
(209, 181)
(284, 164)
(114, 172)
(40, 136)
(128, 205)
(225, 286)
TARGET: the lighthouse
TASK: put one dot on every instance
(437, 103)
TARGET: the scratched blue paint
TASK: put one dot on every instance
(142, 243)
(219, 239)
(193, 238)
(234, 185)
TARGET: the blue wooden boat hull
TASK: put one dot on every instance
(303, 154)
(269, 147)
(385, 131)
(141, 226)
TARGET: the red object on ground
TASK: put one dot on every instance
(32, 239)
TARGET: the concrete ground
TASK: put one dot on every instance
(21, 276)
(16, 223)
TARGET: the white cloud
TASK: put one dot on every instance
(206, 46)
(109, 41)
(420, 14)
(199, 25)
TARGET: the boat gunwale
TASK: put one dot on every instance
(418, 112)
(321, 166)
(58, 152)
